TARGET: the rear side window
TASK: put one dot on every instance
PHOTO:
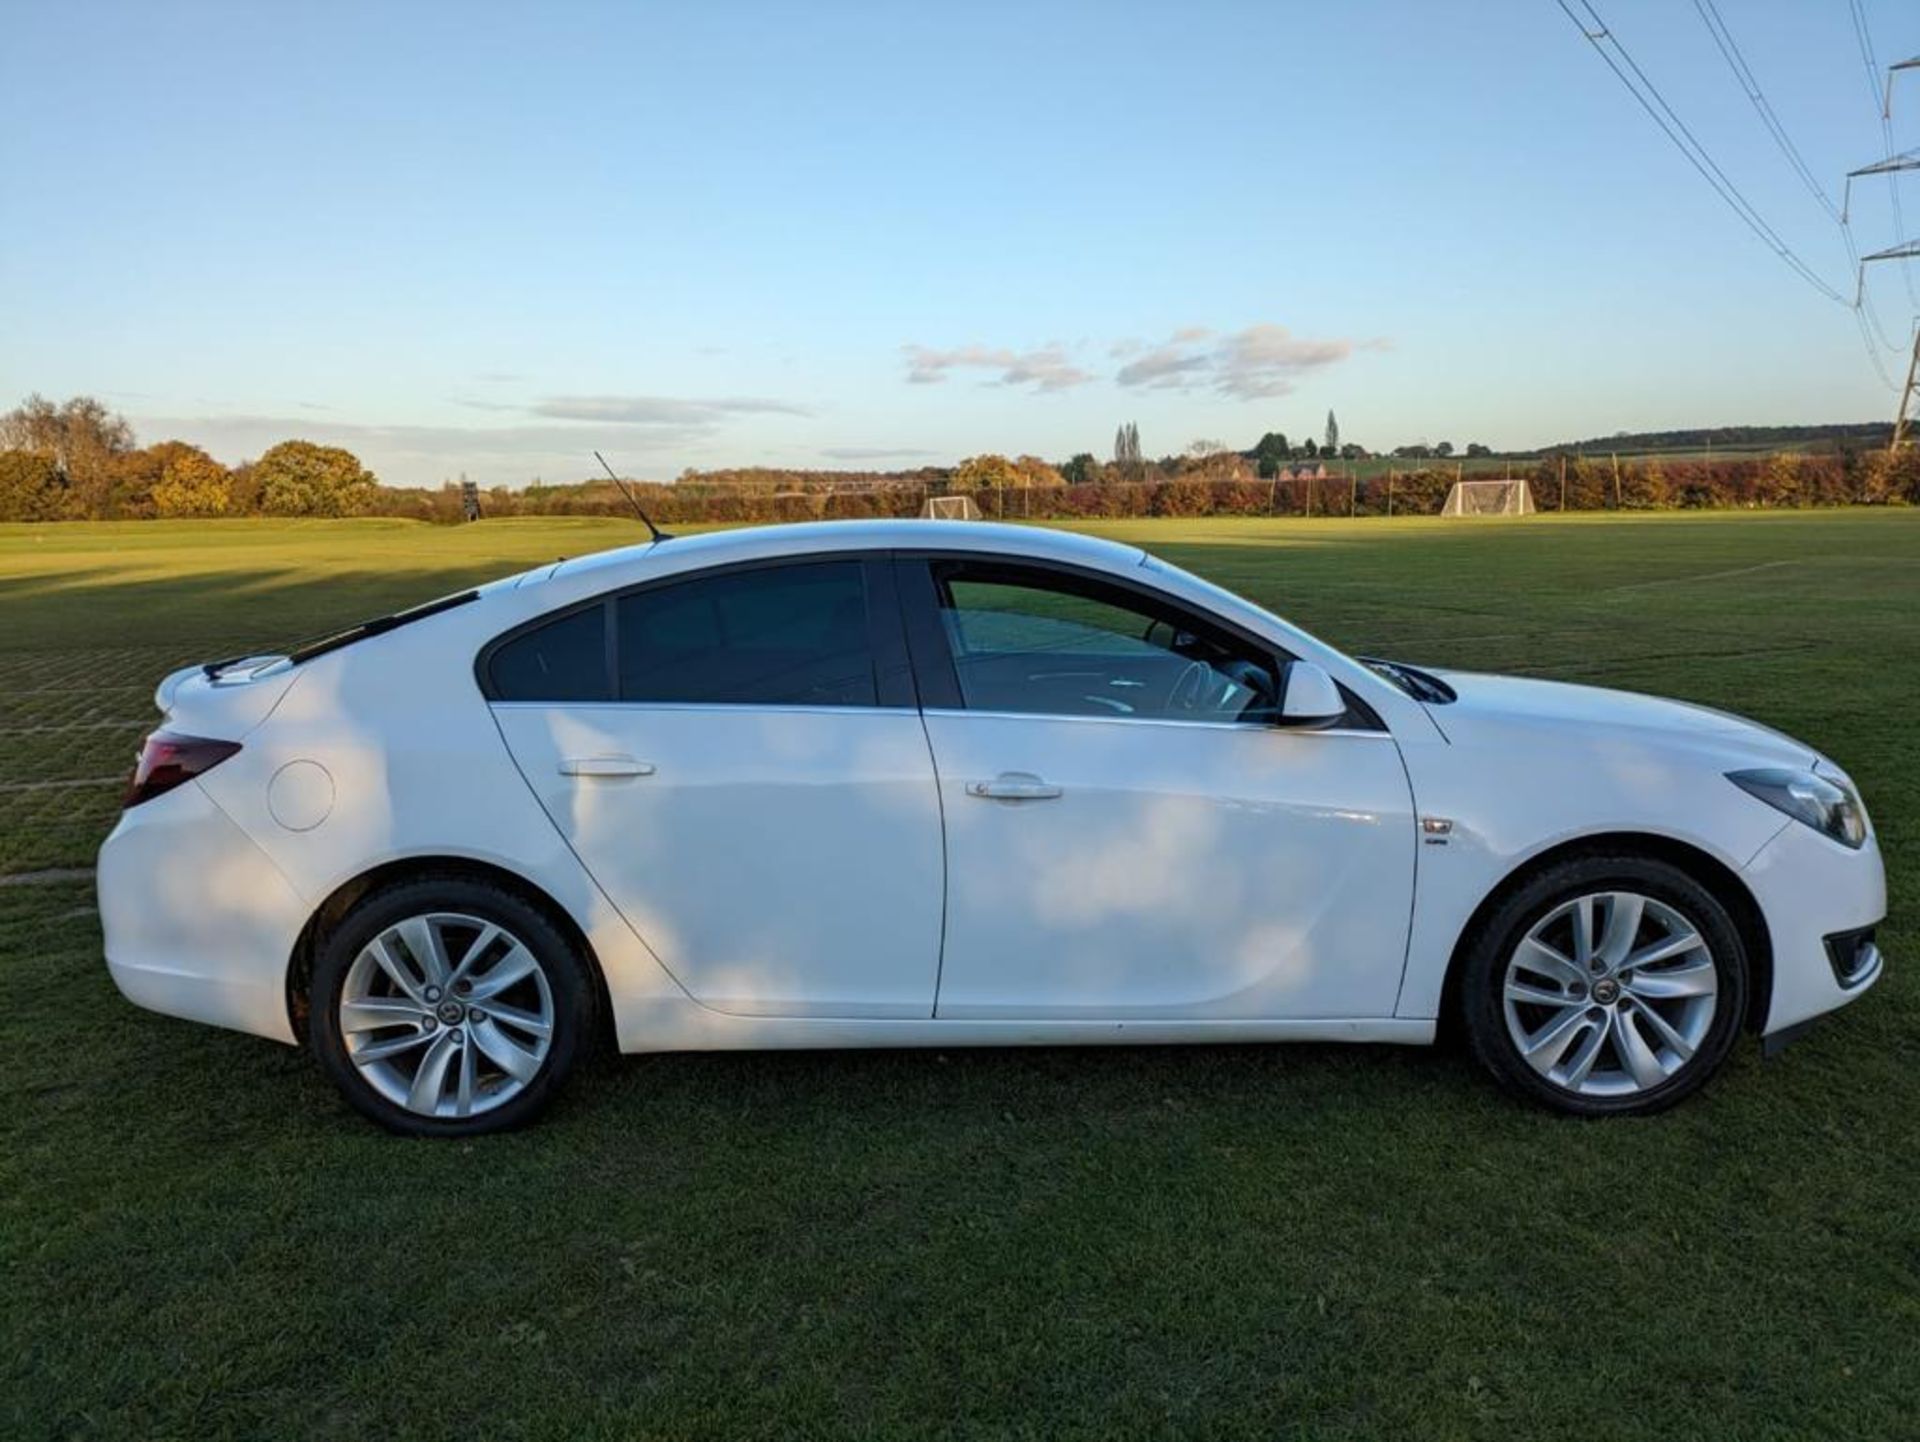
(773, 636)
(564, 660)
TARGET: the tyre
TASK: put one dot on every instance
(449, 1007)
(1607, 985)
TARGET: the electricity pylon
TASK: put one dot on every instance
(1903, 415)
(1906, 160)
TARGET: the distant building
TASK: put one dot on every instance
(1303, 471)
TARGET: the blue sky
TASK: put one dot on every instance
(489, 238)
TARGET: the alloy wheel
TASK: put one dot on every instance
(447, 1015)
(1610, 994)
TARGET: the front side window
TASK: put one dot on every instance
(794, 635)
(1032, 641)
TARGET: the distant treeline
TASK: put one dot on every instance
(79, 461)
(1572, 483)
(1862, 434)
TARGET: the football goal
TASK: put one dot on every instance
(951, 508)
(1489, 498)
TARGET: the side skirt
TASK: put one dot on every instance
(657, 1027)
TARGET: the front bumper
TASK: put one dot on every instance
(1818, 897)
(199, 922)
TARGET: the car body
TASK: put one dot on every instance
(934, 783)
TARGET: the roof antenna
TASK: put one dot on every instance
(658, 534)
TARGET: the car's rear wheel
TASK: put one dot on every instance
(1606, 985)
(449, 1007)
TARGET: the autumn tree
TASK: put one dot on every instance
(81, 437)
(138, 475)
(29, 486)
(191, 482)
(1035, 472)
(243, 489)
(299, 478)
(986, 473)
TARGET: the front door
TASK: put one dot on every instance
(1129, 834)
(747, 779)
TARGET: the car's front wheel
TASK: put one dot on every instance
(448, 1007)
(1606, 985)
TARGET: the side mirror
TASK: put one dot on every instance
(1311, 698)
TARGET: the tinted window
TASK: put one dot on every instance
(995, 617)
(1039, 642)
(564, 660)
(773, 636)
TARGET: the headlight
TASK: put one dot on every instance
(1829, 807)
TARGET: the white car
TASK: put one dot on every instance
(939, 784)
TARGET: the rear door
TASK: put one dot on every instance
(736, 756)
(1129, 834)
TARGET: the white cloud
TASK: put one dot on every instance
(1045, 369)
(874, 453)
(1254, 363)
(657, 410)
(1251, 364)
(1164, 367)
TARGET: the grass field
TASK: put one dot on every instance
(198, 1240)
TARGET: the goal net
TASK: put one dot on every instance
(951, 508)
(1489, 498)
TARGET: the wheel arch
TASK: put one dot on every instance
(344, 897)
(1712, 873)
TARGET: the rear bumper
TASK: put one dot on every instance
(1818, 898)
(199, 922)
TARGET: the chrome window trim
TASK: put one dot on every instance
(1368, 732)
(724, 707)
(705, 707)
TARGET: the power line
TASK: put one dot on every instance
(1905, 160)
(1863, 301)
(1886, 105)
(1882, 108)
(1873, 351)
(1684, 140)
(1865, 38)
(1730, 49)
(1749, 83)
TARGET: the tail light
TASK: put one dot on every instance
(168, 759)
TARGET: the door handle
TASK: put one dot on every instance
(604, 766)
(1014, 786)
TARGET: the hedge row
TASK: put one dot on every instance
(1580, 484)
(1572, 483)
